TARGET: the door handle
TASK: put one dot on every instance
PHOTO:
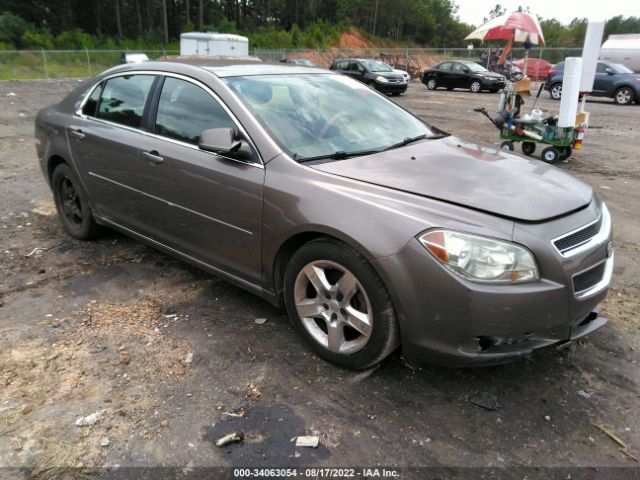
(153, 157)
(78, 133)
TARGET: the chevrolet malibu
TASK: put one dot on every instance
(370, 227)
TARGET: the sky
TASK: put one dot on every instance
(473, 11)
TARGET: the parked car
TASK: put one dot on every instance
(404, 73)
(374, 73)
(612, 80)
(298, 61)
(462, 74)
(371, 227)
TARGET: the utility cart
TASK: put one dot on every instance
(558, 142)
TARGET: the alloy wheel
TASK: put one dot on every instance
(333, 306)
(431, 84)
(556, 92)
(70, 202)
(623, 96)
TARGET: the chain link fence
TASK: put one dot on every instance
(415, 60)
(29, 64)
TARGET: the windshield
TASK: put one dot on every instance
(619, 68)
(474, 67)
(376, 66)
(318, 115)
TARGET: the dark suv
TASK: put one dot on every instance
(372, 72)
(612, 80)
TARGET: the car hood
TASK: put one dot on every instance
(481, 178)
(491, 74)
(389, 75)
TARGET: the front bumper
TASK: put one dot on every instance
(391, 87)
(448, 320)
(488, 84)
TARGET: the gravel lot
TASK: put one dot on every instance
(106, 326)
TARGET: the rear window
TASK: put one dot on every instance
(123, 99)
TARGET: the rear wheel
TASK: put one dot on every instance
(475, 86)
(550, 155)
(339, 305)
(432, 84)
(555, 91)
(528, 148)
(72, 204)
(623, 96)
(507, 146)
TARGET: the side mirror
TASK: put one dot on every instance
(609, 71)
(219, 140)
(465, 70)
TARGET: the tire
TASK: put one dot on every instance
(326, 263)
(72, 204)
(507, 146)
(528, 148)
(550, 155)
(476, 86)
(431, 84)
(395, 94)
(555, 91)
(623, 96)
(565, 152)
(449, 88)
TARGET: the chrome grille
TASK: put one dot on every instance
(577, 238)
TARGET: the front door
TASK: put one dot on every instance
(204, 205)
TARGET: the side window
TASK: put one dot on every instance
(445, 66)
(602, 68)
(186, 110)
(341, 65)
(123, 99)
(91, 105)
(458, 67)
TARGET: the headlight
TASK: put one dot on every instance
(381, 79)
(481, 259)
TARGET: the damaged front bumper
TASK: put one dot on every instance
(448, 320)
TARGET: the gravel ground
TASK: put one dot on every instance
(172, 358)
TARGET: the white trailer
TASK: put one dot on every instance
(624, 49)
(213, 44)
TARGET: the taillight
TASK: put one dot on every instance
(551, 72)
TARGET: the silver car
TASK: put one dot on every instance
(306, 187)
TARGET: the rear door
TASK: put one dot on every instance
(443, 74)
(204, 205)
(104, 137)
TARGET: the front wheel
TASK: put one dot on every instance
(339, 305)
(550, 155)
(72, 204)
(623, 96)
(432, 84)
(556, 91)
(565, 152)
(475, 86)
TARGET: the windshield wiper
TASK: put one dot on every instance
(406, 141)
(339, 155)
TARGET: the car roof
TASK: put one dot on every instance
(222, 67)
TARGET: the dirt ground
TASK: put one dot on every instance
(109, 327)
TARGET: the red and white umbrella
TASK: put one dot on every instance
(517, 27)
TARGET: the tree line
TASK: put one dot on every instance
(140, 24)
